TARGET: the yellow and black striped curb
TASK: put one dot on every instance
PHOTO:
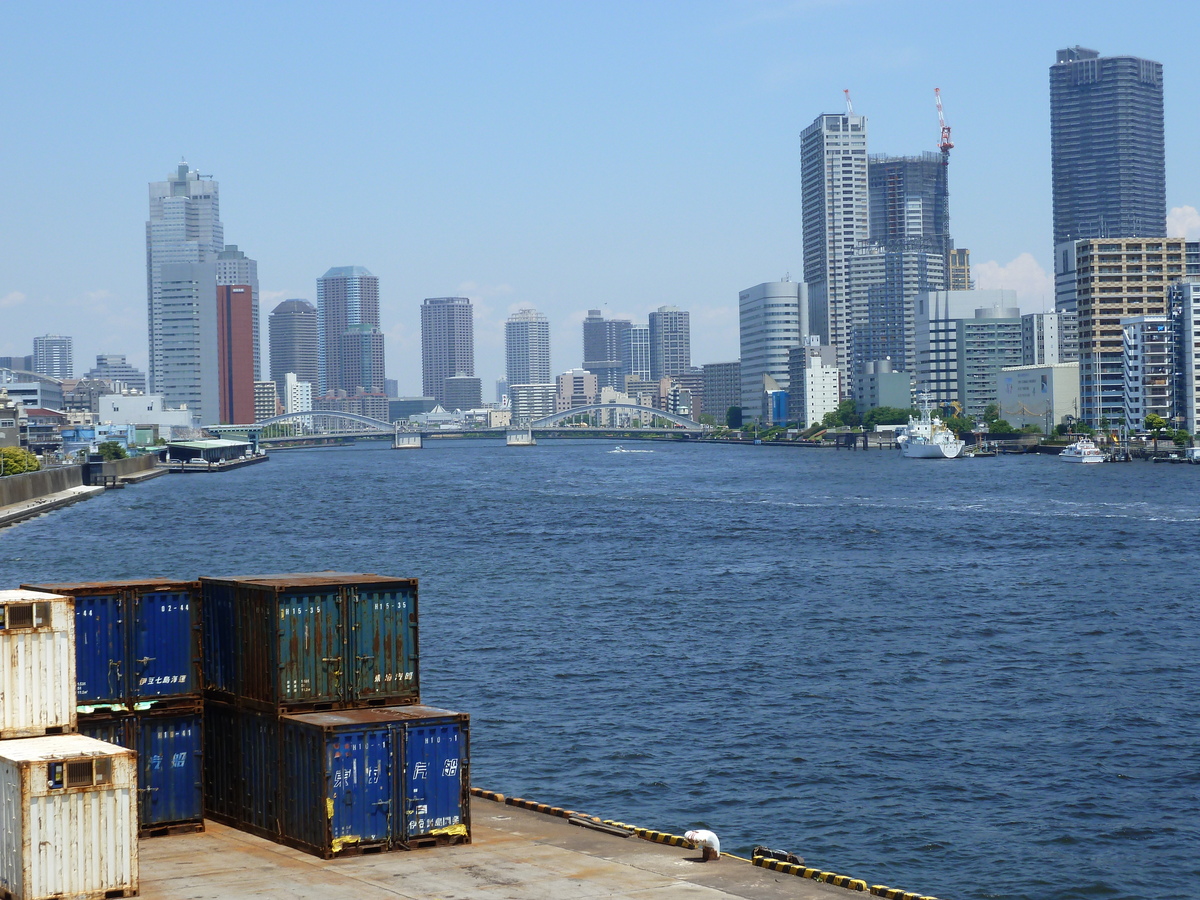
(487, 795)
(541, 808)
(888, 893)
(775, 865)
(659, 837)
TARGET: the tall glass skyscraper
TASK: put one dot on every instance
(1108, 156)
(447, 343)
(184, 227)
(527, 348)
(347, 297)
(670, 341)
(293, 331)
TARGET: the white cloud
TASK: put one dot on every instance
(1184, 221)
(15, 298)
(1033, 284)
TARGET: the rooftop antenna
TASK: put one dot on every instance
(849, 105)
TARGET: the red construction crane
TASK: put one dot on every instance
(945, 144)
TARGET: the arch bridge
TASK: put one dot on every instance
(646, 413)
(316, 422)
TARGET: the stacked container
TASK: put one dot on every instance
(68, 823)
(311, 705)
(137, 655)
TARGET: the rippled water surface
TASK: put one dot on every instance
(972, 679)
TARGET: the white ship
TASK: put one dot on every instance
(927, 437)
(1082, 451)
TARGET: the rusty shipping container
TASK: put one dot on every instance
(319, 641)
(370, 780)
(69, 828)
(241, 768)
(37, 664)
(170, 756)
(136, 642)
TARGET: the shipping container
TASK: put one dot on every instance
(69, 827)
(367, 780)
(319, 641)
(37, 664)
(136, 642)
(241, 768)
(170, 765)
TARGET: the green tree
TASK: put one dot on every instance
(733, 417)
(1181, 438)
(999, 426)
(991, 413)
(110, 450)
(18, 460)
(848, 412)
(1155, 424)
(960, 424)
(887, 415)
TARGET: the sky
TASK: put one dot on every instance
(564, 156)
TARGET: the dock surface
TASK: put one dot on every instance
(515, 854)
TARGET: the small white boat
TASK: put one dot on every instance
(927, 437)
(1082, 451)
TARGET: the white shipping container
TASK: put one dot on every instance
(37, 664)
(68, 819)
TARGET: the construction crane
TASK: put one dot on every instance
(849, 105)
(945, 144)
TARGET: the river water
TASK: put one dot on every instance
(969, 679)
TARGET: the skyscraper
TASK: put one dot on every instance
(635, 353)
(53, 356)
(1108, 157)
(235, 353)
(235, 267)
(187, 362)
(772, 318)
(112, 367)
(670, 341)
(603, 340)
(447, 343)
(184, 227)
(293, 332)
(833, 176)
(527, 348)
(346, 295)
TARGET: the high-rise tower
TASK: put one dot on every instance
(346, 296)
(1108, 156)
(833, 175)
(527, 348)
(670, 341)
(293, 332)
(604, 341)
(447, 343)
(184, 227)
(235, 267)
(53, 356)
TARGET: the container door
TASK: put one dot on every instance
(360, 784)
(100, 664)
(383, 628)
(163, 662)
(312, 652)
(170, 769)
(434, 761)
(219, 645)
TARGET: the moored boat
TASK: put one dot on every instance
(927, 437)
(1082, 451)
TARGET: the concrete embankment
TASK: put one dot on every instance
(34, 493)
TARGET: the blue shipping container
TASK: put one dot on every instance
(386, 778)
(135, 641)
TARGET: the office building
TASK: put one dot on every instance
(884, 280)
(527, 348)
(691, 386)
(964, 338)
(184, 228)
(235, 353)
(1184, 311)
(294, 343)
(670, 342)
(635, 353)
(113, 368)
(447, 343)
(814, 382)
(575, 388)
(604, 348)
(722, 389)
(1117, 278)
(1108, 158)
(17, 363)
(53, 356)
(362, 361)
(530, 402)
(877, 384)
(1040, 339)
(502, 389)
(346, 296)
(266, 400)
(772, 319)
(835, 214)
(1040, 395)
(1148, 357)
(235, 267)
(297, 394)
(391, 387)
(187, 367)
(960, 270)
(462, 392)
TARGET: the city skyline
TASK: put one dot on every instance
(632, 237)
